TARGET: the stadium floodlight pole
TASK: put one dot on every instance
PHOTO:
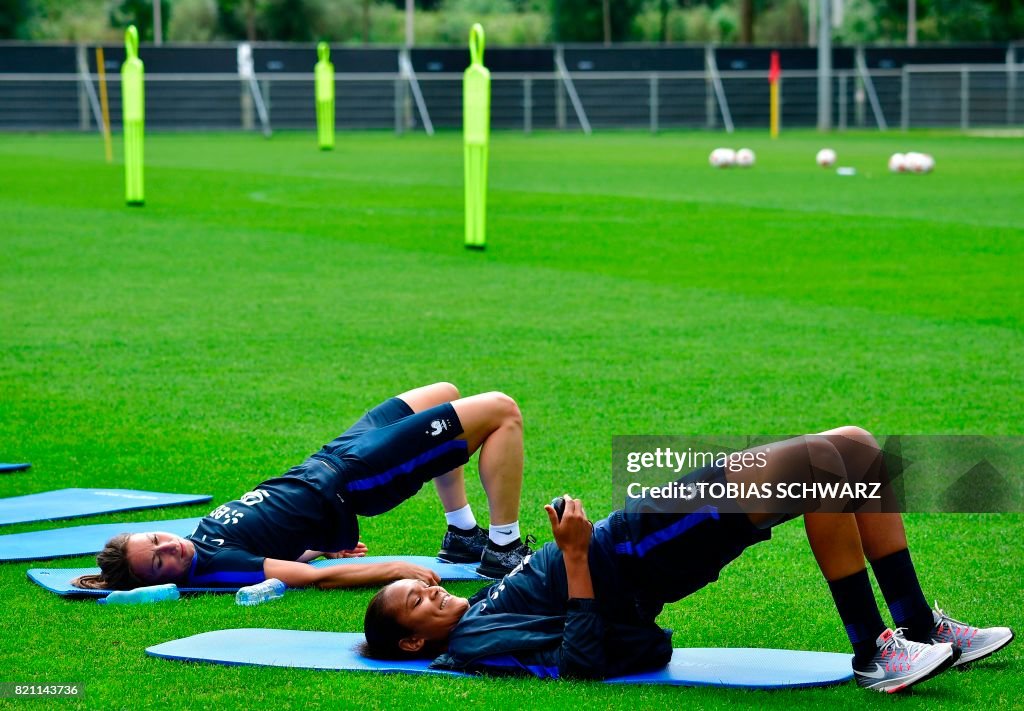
(911, 23)
(812, 24)
(324, 79)
(158, 25)
(824, 65)
(133, 110)
(410, 28)
(476, 129)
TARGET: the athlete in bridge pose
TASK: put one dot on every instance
(383, 459)
(585, 606)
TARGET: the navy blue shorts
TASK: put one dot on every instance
(382, 460)
(657, 556)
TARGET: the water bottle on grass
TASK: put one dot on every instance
(139, 596)
(269, 589)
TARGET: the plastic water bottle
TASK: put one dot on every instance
(269, 589)
(140, 596)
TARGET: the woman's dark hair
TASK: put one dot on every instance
(383, 633)
(115, 573)
(383, 630)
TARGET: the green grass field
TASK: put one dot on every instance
(268, 294)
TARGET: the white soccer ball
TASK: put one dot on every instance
(826, 158)
(745, 158)
(722, 157)
(929, 163)
(897, 163)
(916, 162)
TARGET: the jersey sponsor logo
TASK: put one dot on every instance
(251, 498)
(437, 427)
(227, 515)
(878, 673)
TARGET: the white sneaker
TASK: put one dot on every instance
(900, 663)
(973, 642)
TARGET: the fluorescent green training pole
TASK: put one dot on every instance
(476, 130)
(324, 74)
(134, 113)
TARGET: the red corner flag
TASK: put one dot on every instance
(775, 71)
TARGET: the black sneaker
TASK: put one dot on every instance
(461, 546)
(499, 561)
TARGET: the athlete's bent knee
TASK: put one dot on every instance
(824, 455)
(505, 409)
(859, 435)
(450, 392)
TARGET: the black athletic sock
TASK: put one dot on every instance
(898, 580)
(856, 605)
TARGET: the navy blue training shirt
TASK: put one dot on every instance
(281, 519)
(537, 587)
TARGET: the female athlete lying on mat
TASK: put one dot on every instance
(586, 605)
(382, 460)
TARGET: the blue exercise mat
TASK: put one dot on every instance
(58, 580)
(81, 540)
(745, 668)
(6, 468)
(72, 503)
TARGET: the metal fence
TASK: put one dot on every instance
(578, 98)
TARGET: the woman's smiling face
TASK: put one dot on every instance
(429, 611)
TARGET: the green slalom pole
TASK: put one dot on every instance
(133, 105)
(324, 75)
(476, 131)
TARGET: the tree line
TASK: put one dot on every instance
(513, 22)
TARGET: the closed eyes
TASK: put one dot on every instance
(156, 558)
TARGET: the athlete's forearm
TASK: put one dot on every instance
(577, 570)
(302, 575)
(357, 575)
